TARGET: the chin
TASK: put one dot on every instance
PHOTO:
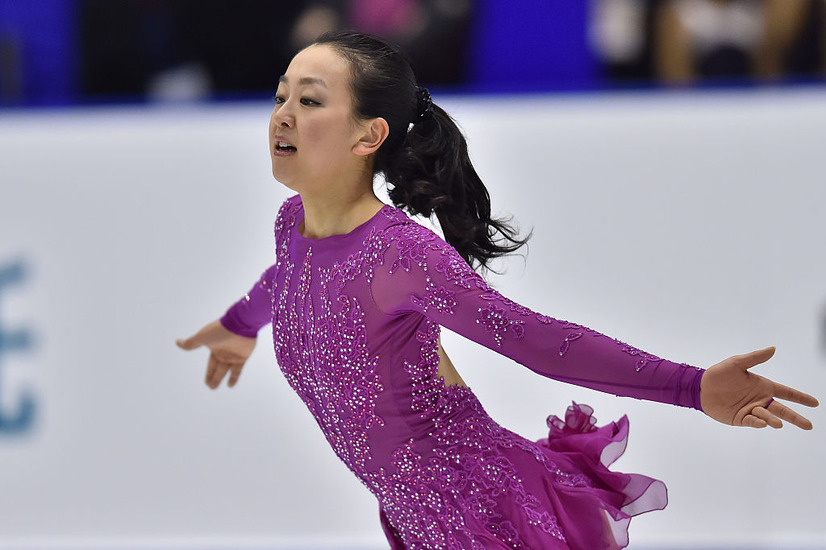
(284, 180)
(279, 174)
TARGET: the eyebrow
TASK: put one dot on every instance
(304, 81)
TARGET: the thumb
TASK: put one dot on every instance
(755, 358)
(189, 343)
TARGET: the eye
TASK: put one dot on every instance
(277, 99)
(309, 102)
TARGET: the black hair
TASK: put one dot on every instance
(425, 157)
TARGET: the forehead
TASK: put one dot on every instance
(318, 63)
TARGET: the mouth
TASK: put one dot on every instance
(283, 147)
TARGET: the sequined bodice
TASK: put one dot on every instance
(356, 320)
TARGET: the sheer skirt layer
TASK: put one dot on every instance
(555, 493)
(619, 496)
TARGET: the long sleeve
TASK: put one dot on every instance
(421, 274)
(254, 310)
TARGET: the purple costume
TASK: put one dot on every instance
(355, 321)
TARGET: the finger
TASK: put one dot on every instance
(215, 372)
(220, 373)
(212, 366)
(189, 343)
(749, 360)
(795, 396)
(789, 415)
(763, 414)
(751, 421)
(234, 373)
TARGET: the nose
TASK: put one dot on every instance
(282, 115)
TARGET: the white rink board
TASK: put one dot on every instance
(691, 226)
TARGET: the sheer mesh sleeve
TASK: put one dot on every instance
(254, 310)
(421, 274)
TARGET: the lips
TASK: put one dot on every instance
(283, 147)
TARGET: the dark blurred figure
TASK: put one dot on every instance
(701, 39)
(744, 39)
(621, 34)
(685, 41)
(184, 48)
(187, 49)
(801, 48)
(434, 33)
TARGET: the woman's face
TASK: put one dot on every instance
(312, 128)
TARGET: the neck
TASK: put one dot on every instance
(337, 212)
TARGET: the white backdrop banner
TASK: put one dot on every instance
(691, 226)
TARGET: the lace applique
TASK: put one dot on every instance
(412, 244)
(507, 533)
(580, 331)
(644, 358)
(497, 323)
(414, 241)
(394, 214)
(456, 270)
(563, 349)
(348, 270)
(490, 294)
(436, 297)
(415, 244)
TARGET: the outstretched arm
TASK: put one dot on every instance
(730, 394)
(421, 273)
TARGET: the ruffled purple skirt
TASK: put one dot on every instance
(567, 497)
(616, 496)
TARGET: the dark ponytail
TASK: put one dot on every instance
(424, 158)
(432, 173)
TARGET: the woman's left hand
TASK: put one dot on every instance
(730, 394)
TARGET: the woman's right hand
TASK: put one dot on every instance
(228, 352)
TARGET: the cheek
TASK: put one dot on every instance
(271, 127)
(326, 138)
(341, 135)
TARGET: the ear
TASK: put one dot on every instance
(374, 132)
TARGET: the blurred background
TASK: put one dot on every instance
(668, 155)
(64, 52)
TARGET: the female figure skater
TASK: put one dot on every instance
(358, 292)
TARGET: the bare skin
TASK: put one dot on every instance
(228, 352)
(446, 369)
(731, 394)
